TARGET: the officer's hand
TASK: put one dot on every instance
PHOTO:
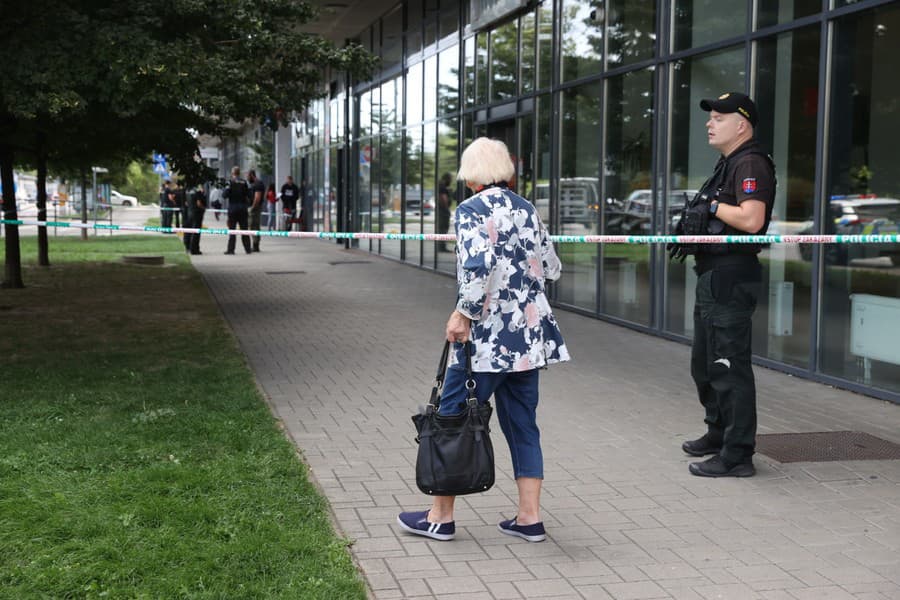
(676, 252)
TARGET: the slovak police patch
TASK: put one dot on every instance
(749, 185)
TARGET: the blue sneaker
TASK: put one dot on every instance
(532, 533)
(418, 523)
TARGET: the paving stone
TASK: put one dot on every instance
(344, 395)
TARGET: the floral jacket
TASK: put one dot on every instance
(504, 254)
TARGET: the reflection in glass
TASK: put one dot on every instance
(579, 193)
(447, 164)
(365, 114)
(544, 14)
(429, 179)
(429, 96)
(775, 12)
(481, 69)
(330, 223)
(629, 198)
(525, 159)
(413, 209)
(701, 22)
(692, 160)
(414, 94)
(391, 169)
(543, 152)
(860, 316)
(504, 52)
(469, 72)
(378, 199)
(448, 81)
(582, 39)
(527, 57)
(787, 98)
(388, 108)
(364, 185)
(376, 110)
(631, 29)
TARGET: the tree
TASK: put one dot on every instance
(103, 79)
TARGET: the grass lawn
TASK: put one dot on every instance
(137, 457)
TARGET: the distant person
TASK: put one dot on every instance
(257, 197)
(289, 195)
(198, 209)
(215, 199)
(166, 204)
(237, 194)
(183, 206)
(179, 199)
(443, 208)
(271, 203)
(504, 256)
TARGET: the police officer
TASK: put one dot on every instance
(257, 200)
(198, 208)
(736, 200)
(237, 192)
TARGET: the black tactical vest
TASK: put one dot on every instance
(713, 188)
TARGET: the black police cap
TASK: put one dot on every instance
(733, 102)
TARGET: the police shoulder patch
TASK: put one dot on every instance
(749, 185)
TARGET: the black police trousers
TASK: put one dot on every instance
(721, 358)
(238, 218)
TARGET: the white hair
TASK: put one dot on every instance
(485, 161)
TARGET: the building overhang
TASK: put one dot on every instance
(340, 20)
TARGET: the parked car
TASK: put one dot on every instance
(414, 203)
(117, 199)
(579, 200)
(867, 214)
(634, 216)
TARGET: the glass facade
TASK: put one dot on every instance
(599, 105)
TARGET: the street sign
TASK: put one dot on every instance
(160, 169)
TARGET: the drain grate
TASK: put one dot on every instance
(285, 272)
(350, 262)
(826, 446)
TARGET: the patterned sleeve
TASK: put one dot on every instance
(551, 264)
(475, 261)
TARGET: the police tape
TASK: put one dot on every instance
(448, 237)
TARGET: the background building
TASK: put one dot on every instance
(598, 102)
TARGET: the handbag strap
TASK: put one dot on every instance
(435, 400)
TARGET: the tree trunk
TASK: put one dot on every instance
(84, 233)
(43, 252)
(13, 272)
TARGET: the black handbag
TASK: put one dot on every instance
(455, 456)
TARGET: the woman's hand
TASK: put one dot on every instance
(458, 327)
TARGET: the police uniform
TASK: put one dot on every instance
(728, 286)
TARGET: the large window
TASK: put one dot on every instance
(628, 198)
(631, 29)
(448, 81)
(786, 96)
(582, 39)
(701, 22)
(775, 12)
(413, 208)
(579, 192)
(504, 52)
(692, 160)
(860, 315)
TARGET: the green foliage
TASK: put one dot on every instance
(144, 463)
(141, 182)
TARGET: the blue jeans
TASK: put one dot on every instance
(516, 399)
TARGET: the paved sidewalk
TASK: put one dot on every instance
(344, 344)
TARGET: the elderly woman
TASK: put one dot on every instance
(503, 257)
